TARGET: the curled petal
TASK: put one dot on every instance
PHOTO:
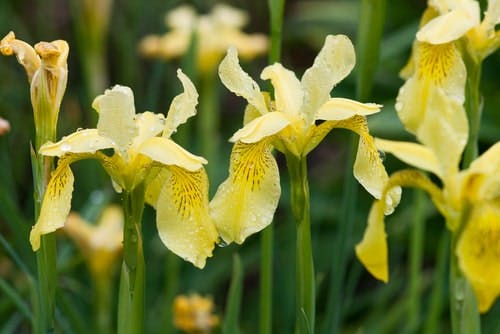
(116, 115)
(25, 54)
(183, 106)
(55, 205)
(411, 153)
(183, 219)
(337, 109)
(333, 63)
(478, 253)
(261, 127)
(239, 82)
(245, 203)
(372, 249)
(451, 25)
(287, 90)
(83, 141)
(167, 152)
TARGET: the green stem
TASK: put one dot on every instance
(463, 306)
(173, 266)
(276, 8)
(473, 108)
(233, 304)
(416, 251)
(131, 295)
(103, 303)
(299, 185)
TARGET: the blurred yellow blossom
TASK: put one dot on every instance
(101, 243)
(175, 180)
(193, 314)
(245, 202)
(214, 33)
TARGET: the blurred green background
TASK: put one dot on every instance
(366, 305)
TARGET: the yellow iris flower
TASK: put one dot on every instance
(455, 19)
(194, 314)
(175, 180)
(246, 201)
(99, 243)
(215, 32)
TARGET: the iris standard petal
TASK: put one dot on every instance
(287, 89)
(261, 127)
(148, 125)
(167, 152)
(337, 109)
(333, 63)
(451, 25)
(245, 202)
(183, 106)
(116, 116)
(411, 153)
(239, 82)
(478, 253)
(55, 205)
(372, 249)
(183, 219)
(83, 141)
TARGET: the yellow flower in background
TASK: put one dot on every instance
(214, 33)
(47, 70)
(193, 314)
(175, 180)
(455, 19)
(101, 243)
(246, 201)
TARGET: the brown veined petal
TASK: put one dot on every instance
(56, 203)
(245, 202)
(155, 180)
(372, 249)
(333, 63)
(478, 253)
(183, 219)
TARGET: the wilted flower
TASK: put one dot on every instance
(214, 33)
(175, 180)
(193, 314)
(245, 202)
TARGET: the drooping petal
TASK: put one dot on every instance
(183, 219)
(333, 63)
(451, 25)
(261, 127)
(478, 252)
(183, 106)
(167, 152)
(55, 205)
(287, 89)
(245, 203)
(372, 249)
(116, 116)
(155, 180)
(368, 167)
(488, 162)
(83, 141)
(25, 54)
(239, 82)
(337, 109)
(411, 153)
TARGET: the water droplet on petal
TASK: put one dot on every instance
(381, 155)
(65, 147)
(221, 243)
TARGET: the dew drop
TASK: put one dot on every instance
(221, 243)
(381, 155)
(65, 147)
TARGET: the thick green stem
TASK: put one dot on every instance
(463, 306)
(473, 108)
(299, 185)
(416, 252)
(131, 298)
